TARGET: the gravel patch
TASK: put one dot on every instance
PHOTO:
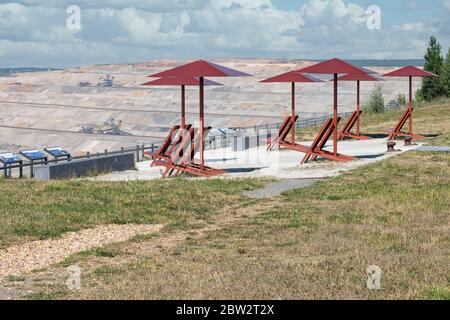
(434, 149)
(8, 293)
(279, 187)
(30, 256)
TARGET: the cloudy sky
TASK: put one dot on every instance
(34, 33)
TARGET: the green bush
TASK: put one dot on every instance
(401, 99)
(376, 100)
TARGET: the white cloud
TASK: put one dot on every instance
(416, 27)
(121, 30)
(446, 4)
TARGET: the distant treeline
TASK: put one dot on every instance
(8, 71)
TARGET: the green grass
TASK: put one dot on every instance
(15, 278)
(435, 293)
(39, 210)
(316, 245)
(432, 118)
(312, 243)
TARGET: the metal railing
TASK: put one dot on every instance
(139, 152)
(225, 140)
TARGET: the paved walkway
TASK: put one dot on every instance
(434, 149)
(279, 187)
(283, 164)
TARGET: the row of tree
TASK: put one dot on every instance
(439, 86)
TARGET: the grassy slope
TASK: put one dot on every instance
(432, 119)
(37, 210)
(394, 214)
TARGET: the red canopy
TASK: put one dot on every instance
(200, 68)
(409, 71)
(180, 81)
(359, 77)
(292, 76)
(333, 66)
(183, 82)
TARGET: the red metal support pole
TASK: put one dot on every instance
(410, 107)
(358, 108)
(202, 125)
(183, 107)
(293, 113)
(335, 115)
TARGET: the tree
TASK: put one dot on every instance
(376, 100)
(431, 86)
(401, 99)
(445, 76)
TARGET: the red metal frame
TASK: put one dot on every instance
(173, 156)
(410, 72)
(163, 151)
(283, 132)
(185, 162)
(200, 69)
(316, 149)
(355, 118)
(334, 67)
(346, 131)
(289, 123)
(407, 116)
(397, 131)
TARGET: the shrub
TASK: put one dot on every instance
(401, 99)
(376, 100)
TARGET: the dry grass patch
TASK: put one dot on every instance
(317, 244)
(31, 210)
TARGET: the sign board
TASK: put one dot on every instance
(57, 152)
(9, 158)
(33, 155)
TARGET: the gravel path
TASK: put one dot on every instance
(39, 254)
(8, 293)
(279, 187)
(434, 149)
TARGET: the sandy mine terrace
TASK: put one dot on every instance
(49, 108)
(284, 164)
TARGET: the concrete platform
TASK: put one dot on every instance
(283, 164)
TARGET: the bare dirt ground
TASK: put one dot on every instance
(34, 255)
(48, 271)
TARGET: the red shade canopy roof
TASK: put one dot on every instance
(180, 81)
(409, 71)
(292, 77)
(359, 77)
(200, 68)
(333, 66)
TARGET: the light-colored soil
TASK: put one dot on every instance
(49, 108)
(39, 254)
